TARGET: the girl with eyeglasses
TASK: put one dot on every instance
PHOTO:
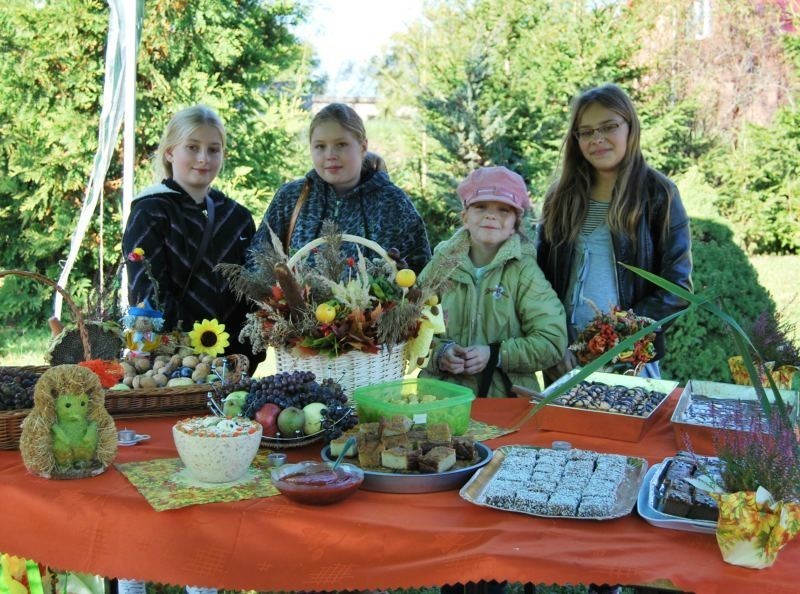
(607, 207)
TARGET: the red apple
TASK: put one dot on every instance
(267, 416)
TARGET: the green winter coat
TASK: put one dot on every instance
(514, 305)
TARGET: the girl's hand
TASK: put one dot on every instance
(452, 360)
(567, 364)
(475, 358)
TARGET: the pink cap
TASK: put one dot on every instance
(494, 184)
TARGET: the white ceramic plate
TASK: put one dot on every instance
(475, 489)
(644, 505)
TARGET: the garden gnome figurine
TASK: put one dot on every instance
(142, 324)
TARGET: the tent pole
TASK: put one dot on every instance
(129, 127)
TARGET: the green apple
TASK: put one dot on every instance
(234, 403)
(290, 421)
(313, 416)
(120, 386)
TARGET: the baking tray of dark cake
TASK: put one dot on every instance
(651, 505)
(705, 409)
(602, 496)
(416, 482)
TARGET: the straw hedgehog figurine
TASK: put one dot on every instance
(69, 433)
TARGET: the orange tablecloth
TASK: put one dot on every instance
(371, 540)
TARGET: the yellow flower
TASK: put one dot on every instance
(209, 337)
(405, 278)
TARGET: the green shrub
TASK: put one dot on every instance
(699, 344)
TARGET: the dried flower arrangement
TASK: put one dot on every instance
(327, 304)
(606, 331)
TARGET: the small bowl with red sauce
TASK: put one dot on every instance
(316, 483)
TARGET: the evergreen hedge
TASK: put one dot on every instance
(699, 344)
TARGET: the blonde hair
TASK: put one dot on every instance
(180, 127)
(342, 114)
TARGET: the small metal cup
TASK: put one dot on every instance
(126, 435)
(276, 459)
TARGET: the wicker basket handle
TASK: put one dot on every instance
(306, 249)
(76, 314)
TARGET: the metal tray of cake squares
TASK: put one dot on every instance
(475, 489)
(646, 505)
(417, 482)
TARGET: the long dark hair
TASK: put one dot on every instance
(567, 201)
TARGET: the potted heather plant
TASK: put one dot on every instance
(759, 500)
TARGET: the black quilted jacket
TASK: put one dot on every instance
(375, 209)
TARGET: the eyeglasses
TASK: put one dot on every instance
(605, 131)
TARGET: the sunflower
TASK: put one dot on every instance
(209, 337)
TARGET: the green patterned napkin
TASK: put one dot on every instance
(166, 484)
(482, 431)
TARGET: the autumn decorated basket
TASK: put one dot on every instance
(350, 319)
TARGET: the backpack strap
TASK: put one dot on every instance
(485, 376)
(208, 231)
(301, 199)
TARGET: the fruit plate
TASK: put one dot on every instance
(395, 482)
(645, 505)
(475, 491)
(288, 443)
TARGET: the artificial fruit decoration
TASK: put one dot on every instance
(325, 313)
(405, 278)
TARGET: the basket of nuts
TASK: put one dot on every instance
(177, 385)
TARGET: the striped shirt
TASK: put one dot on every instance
(597, 215)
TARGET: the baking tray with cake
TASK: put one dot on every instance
(606, 405)
(400, 457)
(668, 500)
(574, 483)
(705, 408)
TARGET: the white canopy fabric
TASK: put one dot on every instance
(119, 101)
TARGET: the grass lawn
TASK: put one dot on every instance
(780, 275)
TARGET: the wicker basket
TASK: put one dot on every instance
(165, 402)
(353, 369)
(120, 404)
(11, 420)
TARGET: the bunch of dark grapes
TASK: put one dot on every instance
(16, 389)
(299, 388)
(336, 419)
(222, 390)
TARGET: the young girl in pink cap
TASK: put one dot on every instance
(504, 322)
